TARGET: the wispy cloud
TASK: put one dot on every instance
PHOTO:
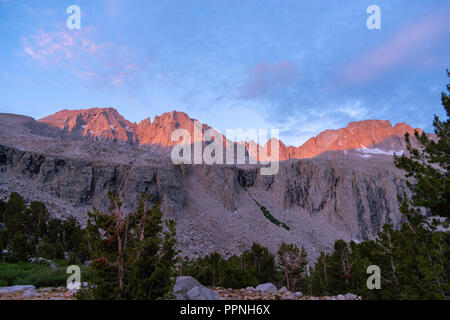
(266, 78)
(354, 110)
(411, 43)
(103, 63)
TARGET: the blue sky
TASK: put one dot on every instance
(298, 65)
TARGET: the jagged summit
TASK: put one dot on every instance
(100, 123)
(107, 123)
(357, 134)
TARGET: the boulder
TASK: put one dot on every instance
(16, 288)
(351, 296)
(283, 290)
(267, 287)
(188, 288)
(41, 260)
(30, 293)
(296, 295)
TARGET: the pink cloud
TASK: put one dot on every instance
(409, 44)
(103, 63)
(264, 78)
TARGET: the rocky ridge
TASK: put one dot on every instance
(108, 124)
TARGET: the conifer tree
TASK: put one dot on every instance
(39, 217)
(263, 262)
(292, 262)
(320, 276)
(429, 165)
(16, 218)
(132, 257)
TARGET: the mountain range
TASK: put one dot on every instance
(108, 124)
(339, 184)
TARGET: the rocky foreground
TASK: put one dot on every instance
(282, 294)
(28, 292)
(186, 288)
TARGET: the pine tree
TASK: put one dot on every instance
(292, 262)
(340, 268)
(39, 217)
(429, 165)
(16, 217)
(132, 257)
(320, 276)
(263, 262)
(152, 273)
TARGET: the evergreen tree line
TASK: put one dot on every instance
(132, 255)
(414, 263)
(254, 266)
(28, 231)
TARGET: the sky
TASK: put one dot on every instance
(299, 66)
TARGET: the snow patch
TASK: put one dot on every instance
(367, 151)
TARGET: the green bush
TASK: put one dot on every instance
(50, 250)
(22, 247)
(271, 218)
(39, 275)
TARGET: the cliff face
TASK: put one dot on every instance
(216, 207)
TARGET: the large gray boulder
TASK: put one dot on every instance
(267, 287)
(188, 288)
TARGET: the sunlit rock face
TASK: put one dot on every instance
(108, 124)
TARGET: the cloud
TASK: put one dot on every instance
(297, 129)
(354, 110)
(102, 63)
(266, 78)
(412, 43)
